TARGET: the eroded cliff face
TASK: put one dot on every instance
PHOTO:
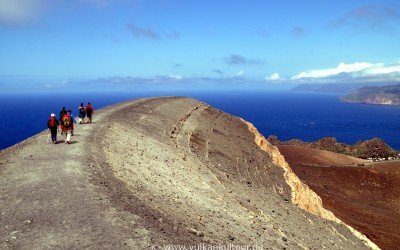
(302, 195)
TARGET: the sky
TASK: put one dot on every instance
(138, 44)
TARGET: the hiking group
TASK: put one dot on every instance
(67, 120)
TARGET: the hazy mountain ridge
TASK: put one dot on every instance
(334, 88)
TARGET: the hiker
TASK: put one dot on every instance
(73, 121)
(52, 124)
(81, 113)
(66, 126)
(62, 113)
(89, 112)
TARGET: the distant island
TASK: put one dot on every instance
(356, 93)
(386, 95)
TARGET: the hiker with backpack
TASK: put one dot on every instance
(89, 112)
(81, 113)
(52, 124)
(62, 113)
(73, 121)
(66, 127)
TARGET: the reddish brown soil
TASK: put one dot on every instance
(312, 156)
(365, 197)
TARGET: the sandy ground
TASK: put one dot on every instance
(151, 173)
(366, 197)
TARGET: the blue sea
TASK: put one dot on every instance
(288, 115)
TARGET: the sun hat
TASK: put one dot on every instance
(52, 115)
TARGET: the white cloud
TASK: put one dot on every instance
(177, 77)
(381, 69)
(273, 77)
(168, 78)
(64, 82)
(341, 68)
(239, 74)
(355, 72)
(142, 80)
(236, 75)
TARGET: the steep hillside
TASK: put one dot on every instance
(156, 172)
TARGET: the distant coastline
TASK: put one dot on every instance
(337, 88)
(356, 93)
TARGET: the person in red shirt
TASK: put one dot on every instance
(52, 124)
(66, 126)
(89, 112)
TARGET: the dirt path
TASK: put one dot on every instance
(47, 198)
(154, 172)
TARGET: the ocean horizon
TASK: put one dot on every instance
(304, 116)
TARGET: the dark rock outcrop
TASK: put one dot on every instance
(374, 148)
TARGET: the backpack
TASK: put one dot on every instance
(89, 110)
(66, 121)
(52, 122)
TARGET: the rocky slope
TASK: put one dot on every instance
(162, 171)
(387, 95)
